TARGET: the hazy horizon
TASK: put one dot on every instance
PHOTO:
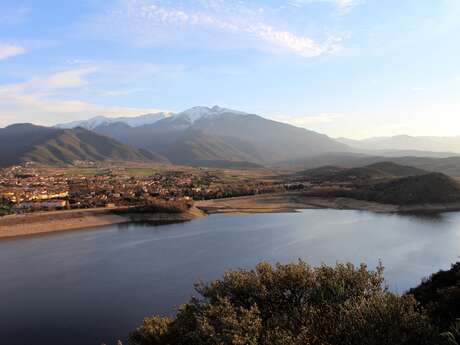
(169, 113)
(345, 68)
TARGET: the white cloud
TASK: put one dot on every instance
(148, 23)
(10, 50)
(70, 78)
(35, 100)
(304, 46)
(41, 110)
(342, 4)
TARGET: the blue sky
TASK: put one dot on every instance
(354, 68)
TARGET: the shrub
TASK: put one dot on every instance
(440, 294)
(293, 304)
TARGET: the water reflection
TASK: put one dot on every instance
(432, 217)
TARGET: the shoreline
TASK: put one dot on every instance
(13, 226)
(288, 202)
(291, 202)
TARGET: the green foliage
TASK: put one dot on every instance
(293, 304)
(152, 330)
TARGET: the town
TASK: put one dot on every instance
(29, 187)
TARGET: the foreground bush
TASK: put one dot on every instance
(293, 304)
(440, 294)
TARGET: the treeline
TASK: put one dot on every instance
(297, 304)
(234, 190)
(154, 205)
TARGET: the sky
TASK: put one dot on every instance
(351, 68)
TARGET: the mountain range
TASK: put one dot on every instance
(202, 135)
(216, 137)
(447, 165)
(423, 144)
(21, 143)
(97, 121)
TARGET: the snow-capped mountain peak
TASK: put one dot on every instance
(97, 121)
(183, 119)
(200, 112)
(88, 124)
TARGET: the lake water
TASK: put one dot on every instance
(85, 287)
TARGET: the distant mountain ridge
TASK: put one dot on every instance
(189, 116)
(406, 143)
(449, 165)
(220, 134)
(97, 121)
(213, 137)
(22, 143)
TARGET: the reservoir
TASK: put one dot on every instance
(95, 285)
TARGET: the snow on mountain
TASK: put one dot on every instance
(103, 120)
(182, 119)
(88, 124)
(196, 113)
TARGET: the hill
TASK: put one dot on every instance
(220, 134)
(395, 170)
(323, 172)
(381, 170)
(449, 166)
(433, 188)
(193, 146)
(26, 142)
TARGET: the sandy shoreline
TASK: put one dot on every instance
(47, 222)
(289, 202)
